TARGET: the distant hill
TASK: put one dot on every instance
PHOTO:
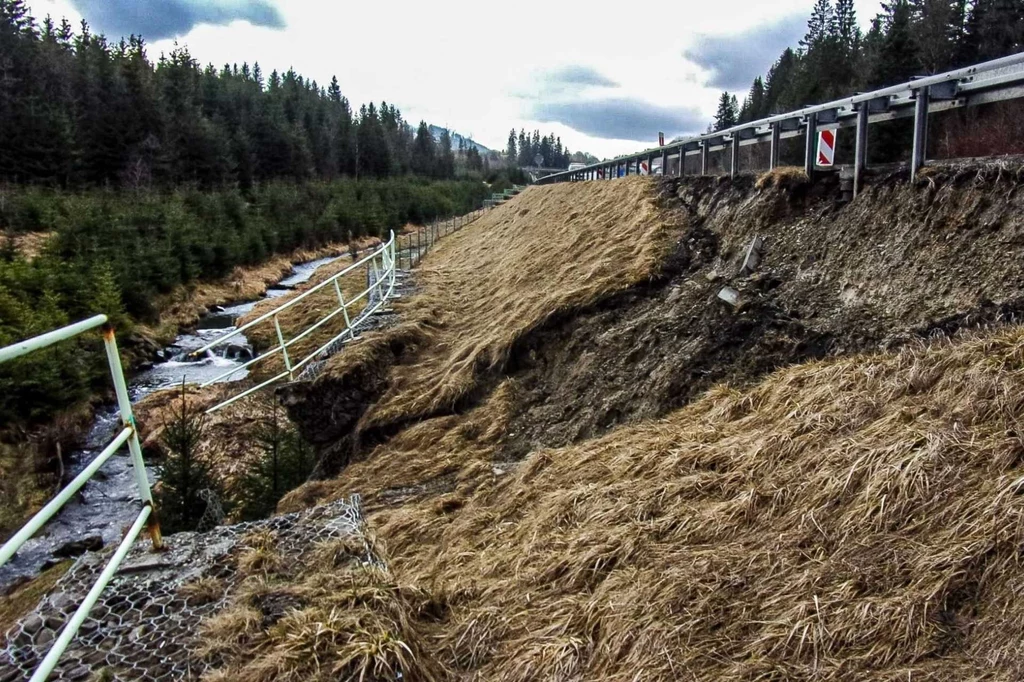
(437, 130)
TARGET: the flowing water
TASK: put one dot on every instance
(103, 507)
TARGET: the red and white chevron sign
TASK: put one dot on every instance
(826, 147)
(644, 170)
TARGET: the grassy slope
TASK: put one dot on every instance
(857, 518)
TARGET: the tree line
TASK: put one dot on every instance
(77, 110)
(907, 38)
(524, 149)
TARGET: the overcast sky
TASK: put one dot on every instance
(606, 77)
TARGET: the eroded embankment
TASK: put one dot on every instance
(634, 327)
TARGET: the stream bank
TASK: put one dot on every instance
(102, 508)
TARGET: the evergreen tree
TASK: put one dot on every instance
(424, 161)
(445, 156)
(727, 114)
(510, 150)
(185, 473)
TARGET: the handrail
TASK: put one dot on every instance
(382, 284)
(962, 87)
(129, 435)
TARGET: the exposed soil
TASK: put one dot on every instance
(901, 262)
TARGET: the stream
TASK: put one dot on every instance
(103, 507)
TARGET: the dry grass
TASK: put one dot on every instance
(858, 518)
(555, 249)
(30, 244)
(331, 618)
(203, 590)
(783, 176)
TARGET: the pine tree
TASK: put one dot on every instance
(424, 161)
(445, 157)
(727, 114)
(185, 472)
(510, 150)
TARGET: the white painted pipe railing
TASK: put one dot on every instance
(128, 434)
(380, 265)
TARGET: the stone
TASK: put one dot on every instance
(730, 296)
(32, 624)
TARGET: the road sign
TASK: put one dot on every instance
(827, 147)
(642, 168)
(661, 139)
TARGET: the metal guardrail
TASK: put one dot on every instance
(992, 81)
(128, 434)
(381, 275)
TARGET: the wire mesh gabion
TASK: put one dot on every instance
(144, 627)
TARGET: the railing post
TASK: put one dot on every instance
(704, 157)
(920, 150)
(344, 311)
(860, 156)
(810, 144)
(734, 160)
(773, 152)
(681, 171)
(124, 406)
(284, 348)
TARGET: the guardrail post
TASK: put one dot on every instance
(920, 151)
(124, 406)
(734, 160)
(704, 157)
(284, 347)
(773, 153)
(344, 311)
(681, 171)
(810, 146)
(860, 156)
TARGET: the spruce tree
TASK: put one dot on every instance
(727, 114)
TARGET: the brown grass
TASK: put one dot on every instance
(555, 249)
(345, 620)
(857, 518)
(30, 244)
(783, 176)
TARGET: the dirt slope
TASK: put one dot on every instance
(582, 497)
(552, 251)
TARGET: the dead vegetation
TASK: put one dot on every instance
(857, 518)
(514, 269)
(333, 617)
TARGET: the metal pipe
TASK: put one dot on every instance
(71, 629)
(920, 150)
(124, 406)
(860, 156)
(703, 157)
(266, 316)
(810, 148)
(344, 310)
(773, 153)
(734, 157)
(284, 347)
(46, 513)
(16, 350)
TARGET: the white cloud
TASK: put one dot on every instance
(478, 67)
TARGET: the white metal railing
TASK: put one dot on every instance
(380, 288)
(128, 434)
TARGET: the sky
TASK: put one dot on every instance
(605, 77)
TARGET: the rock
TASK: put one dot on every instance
(713, 276)
(93, 543)
(32, 624)
(79, 673)
(730, 296)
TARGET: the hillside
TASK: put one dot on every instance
(578, 462)
(436, 131)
